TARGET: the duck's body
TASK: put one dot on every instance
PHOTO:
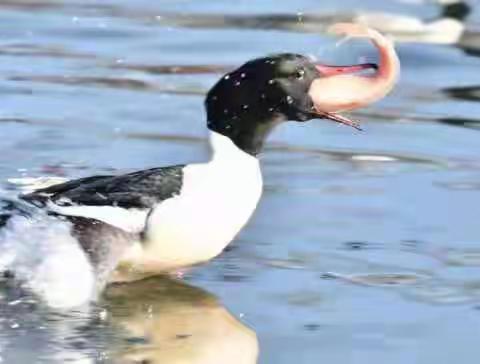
(215, 201)
(162, 219)
(174, 216)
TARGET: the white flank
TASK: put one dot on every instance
(216, 200)
(129, 220)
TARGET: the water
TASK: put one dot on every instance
(365, 246)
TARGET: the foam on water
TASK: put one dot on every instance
(47, 260)
(30, 184)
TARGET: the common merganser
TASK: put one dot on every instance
(163, 219)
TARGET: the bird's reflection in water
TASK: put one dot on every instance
(167, 321)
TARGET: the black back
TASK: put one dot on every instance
(140, 189)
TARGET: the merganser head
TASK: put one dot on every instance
(248, 102)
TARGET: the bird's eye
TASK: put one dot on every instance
(299, 74)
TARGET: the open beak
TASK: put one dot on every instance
(341, 88)
(328, 71)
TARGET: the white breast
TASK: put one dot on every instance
(216, 200)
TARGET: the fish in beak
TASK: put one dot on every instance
(346, 88)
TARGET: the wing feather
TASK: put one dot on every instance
(122, 201)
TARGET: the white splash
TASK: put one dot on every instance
(47, 260)
(30, 184)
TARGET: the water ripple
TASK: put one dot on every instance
(109, 82)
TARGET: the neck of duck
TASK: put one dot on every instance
(226, 153)
(246, 134)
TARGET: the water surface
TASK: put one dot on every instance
(365, 247)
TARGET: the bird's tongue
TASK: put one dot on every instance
(340, 89)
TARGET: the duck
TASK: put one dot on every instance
(447, 28)
(164, 219)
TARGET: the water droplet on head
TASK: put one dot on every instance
(103, 315)
(243, 75)
(271, 109)
(228, 126)
(271, 82)
(225, 111)
(214, 98)
(245, 107)
(227, 77)
(237, 83)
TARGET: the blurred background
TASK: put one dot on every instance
(365, 247)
